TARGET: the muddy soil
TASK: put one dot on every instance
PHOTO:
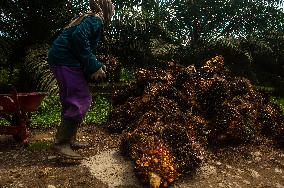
(256, 165)
(36, 165)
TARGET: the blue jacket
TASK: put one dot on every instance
(73, 47)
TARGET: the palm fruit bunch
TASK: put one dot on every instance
(124, 116)
(155, 74)
(181, 138)
(212, 98)
(162, 146)
(233, 113)
(113, 67)
(154, 162)
(234, 122)
(215, 66)
(185, 86)
(200, 126)
(180, 111)
(241, 86)
(132, 90)
(272, 121)
(144, 81)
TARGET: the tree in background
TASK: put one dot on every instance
(136, 26)
(33, 21)
(24, 24)
(239, 30)
(191, 25)
(147, 32)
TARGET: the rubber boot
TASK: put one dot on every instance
(75, 144)
(64, 134)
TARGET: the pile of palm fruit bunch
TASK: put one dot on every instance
(169, 117)
(113, 67)
(272, 121)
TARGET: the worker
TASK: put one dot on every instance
(73, 63)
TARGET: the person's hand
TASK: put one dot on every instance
(104, 68)
(100, 74)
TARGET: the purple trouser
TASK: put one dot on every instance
(73, 91)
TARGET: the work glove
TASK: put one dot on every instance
(100, 74)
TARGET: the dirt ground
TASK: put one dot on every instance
(260, 165)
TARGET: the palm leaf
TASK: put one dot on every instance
(37, 67)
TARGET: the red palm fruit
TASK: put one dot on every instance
(215, 64)
(272, 119)
(153, 159)
(181, 138)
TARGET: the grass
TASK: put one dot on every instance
(99, 111)
(48, 113)
(279, 101)
(265, 88)
(39, 146)
(4, 122)
(127, 75)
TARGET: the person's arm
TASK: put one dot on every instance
(89, 28)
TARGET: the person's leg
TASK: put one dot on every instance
(75, 100)
(63, 138)
(76, 144)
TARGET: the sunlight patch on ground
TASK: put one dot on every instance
(112, 169)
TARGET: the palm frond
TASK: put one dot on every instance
(37, 67)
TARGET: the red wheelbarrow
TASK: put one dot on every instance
(15, 108)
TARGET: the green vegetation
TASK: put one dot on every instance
(4, 122)
(39, 146)
(279, 101)
(127, 75)
(48, 113)
(99, 111)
